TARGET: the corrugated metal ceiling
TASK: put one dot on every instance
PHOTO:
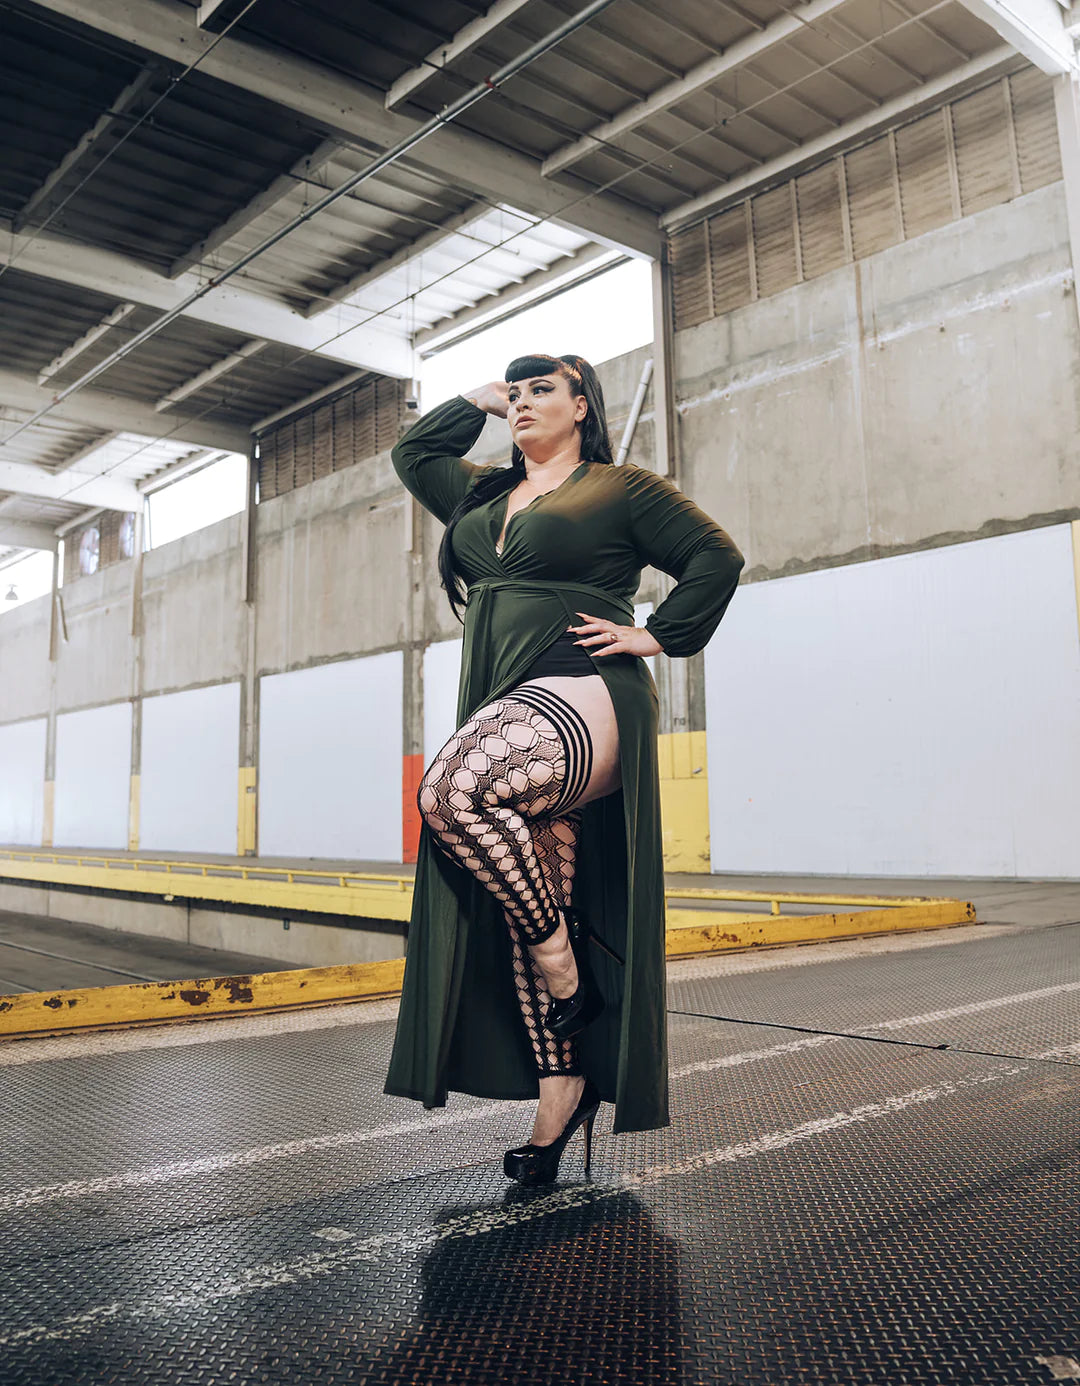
(214, 169)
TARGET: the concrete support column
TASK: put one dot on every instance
(673, 682)
(665, 416)
(49, 803)
(1067, 105)
(415, 641)
(137, 625)
(56, 632)
(247, 815)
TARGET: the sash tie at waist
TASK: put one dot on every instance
(477, 684)
(482, 586)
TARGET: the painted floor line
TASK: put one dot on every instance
(241, 1159)
(282, 1150)
(273, 1274)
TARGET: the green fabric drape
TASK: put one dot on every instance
(580, 547)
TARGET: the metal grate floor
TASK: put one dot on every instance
(824, 1208)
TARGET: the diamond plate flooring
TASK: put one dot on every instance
(839, 1199)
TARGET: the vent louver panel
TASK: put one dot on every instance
(922, 158)
(329, 437)
(774, 242)
(729, 251)
(821, 220)
(984, 161)
(1036, 129)
(872, 198)
(690, 276)
(964, 157)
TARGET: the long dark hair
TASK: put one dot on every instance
(595, 447)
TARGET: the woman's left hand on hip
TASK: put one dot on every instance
(601, 637)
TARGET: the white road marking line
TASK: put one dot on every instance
(903, 1023)
(215, 1164)
(272, 1274)
(1061, 1368)
(974, 1007)
(752, 1056)
(211, 1164)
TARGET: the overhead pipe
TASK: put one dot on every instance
(635, 413)
(391, 156)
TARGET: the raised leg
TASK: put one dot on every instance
(499, 799)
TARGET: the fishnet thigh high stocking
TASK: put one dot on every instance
(508, 770)
(556, 845)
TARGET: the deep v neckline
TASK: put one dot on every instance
(504, 526)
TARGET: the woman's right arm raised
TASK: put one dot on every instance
(429, 458)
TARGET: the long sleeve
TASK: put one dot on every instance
(429, 458)
(671, 533)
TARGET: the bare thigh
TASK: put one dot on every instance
(589, 697)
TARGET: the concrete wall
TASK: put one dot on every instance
(925, 396)
(928, 394)
(296, 942)
(192, 620)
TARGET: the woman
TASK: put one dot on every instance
(540, 857)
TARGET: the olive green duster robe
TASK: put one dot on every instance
(580, 547)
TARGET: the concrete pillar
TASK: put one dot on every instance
(1067, 105)
(247, 816)
(134, 800)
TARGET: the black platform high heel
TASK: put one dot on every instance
(539, 1164)
(568, 1015)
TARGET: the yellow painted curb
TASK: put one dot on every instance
(693, 932)
(690, 933)
(88, 1008)
(375, 896)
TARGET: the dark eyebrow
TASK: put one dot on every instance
(534, 380)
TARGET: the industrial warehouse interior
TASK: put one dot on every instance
(823, 256)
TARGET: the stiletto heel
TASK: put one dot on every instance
(539, 1164)
(569, 1015)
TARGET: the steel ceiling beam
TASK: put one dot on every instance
(104, 128)
(428, 241)
(25, 535)
(464, 41)
(671, 93)
(834, 141)
(1035, 28)
(575, 265)
(277, 191)
(75, 488)
(356, 112)
(367, 347)
(212, 373)
(85, 342)
(116, 413)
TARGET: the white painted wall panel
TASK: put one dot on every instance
(22, 782)
(188, 783)
(442, 669)
(330, 749)
(93, 777)
(914, 716)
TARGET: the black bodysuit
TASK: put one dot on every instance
(562, 657)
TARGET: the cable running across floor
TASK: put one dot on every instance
(879, 1039)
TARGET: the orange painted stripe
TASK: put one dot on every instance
(412, 771)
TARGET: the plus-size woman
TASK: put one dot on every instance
(536, 945)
